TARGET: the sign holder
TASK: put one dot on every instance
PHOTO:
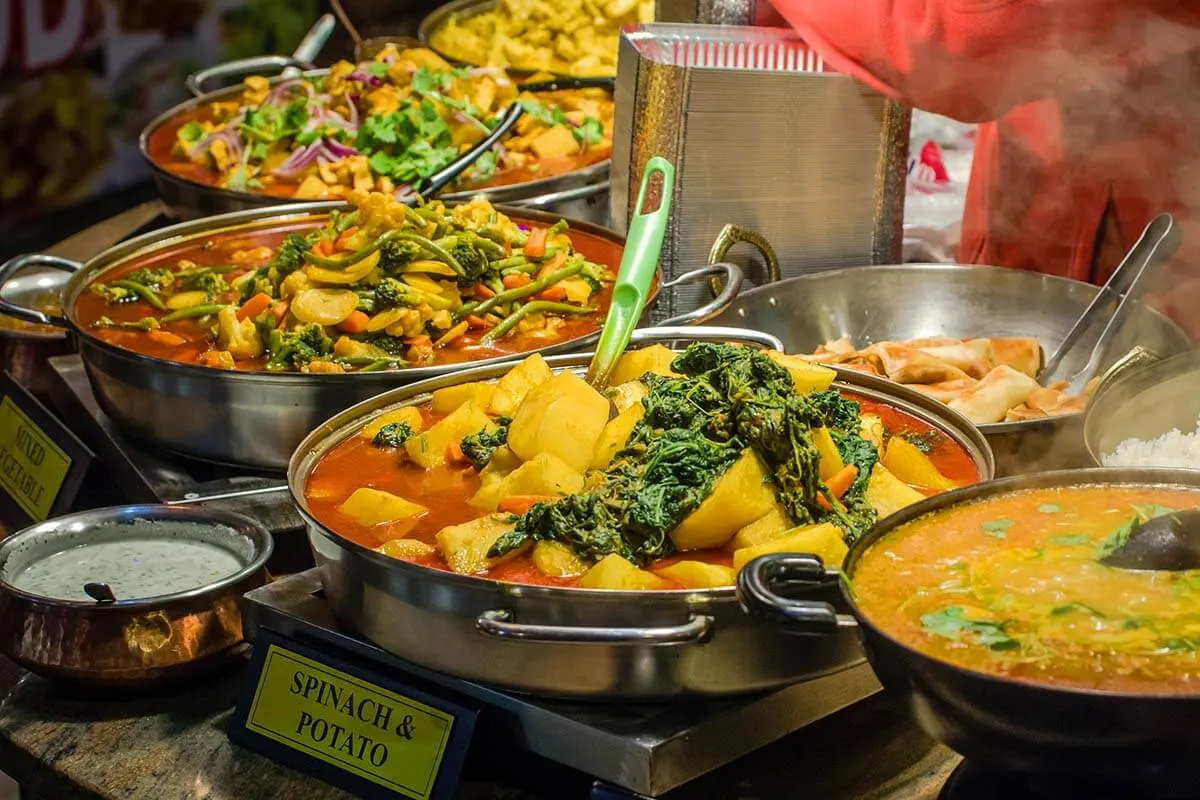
(342, 722)
(42, 462)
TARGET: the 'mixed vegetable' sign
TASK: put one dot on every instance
(348, 726)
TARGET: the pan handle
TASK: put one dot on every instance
(705, 333)
(724, 295)
(10, 268)
(548, 201)
(733, 234)
(757, 589)
(500, 623)
(240, 68)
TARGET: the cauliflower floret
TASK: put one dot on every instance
(239, 337)
(293, 284)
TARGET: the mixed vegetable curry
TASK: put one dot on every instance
(1013, 586)
(689, 467)
(385, 125)
(382, 286)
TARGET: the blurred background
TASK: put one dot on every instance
(79, 79)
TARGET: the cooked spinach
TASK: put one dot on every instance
(394, 434)
(479, 447)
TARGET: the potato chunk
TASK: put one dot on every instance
(614, 572)
(870, 427)
(429, 448)
(627, 395)
(563, 416)
(556, 560)
(406, 549)
(446, 400)
(824, 540)
(465, 547)
(656, 358)
(408, 415)
(772, 525)
(906, 461)
(697, 574)
(887, 494)
(740, 496)
(518, 382)
(831, 460)
(615, 434)
(807, 376)
(371, 507)
(545, 474)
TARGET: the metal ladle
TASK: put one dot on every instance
(1170, 542)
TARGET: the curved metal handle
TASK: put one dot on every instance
(1136, 359)
(757, 592)
(240, 68)
(314, 41)
(722, 299)
(500, 623)
(731, 235)
(705, 333)
(14, 265)
(545, 201)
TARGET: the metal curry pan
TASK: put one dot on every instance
(255, 419)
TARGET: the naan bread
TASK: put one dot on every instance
(905, 364)
(1023, 355)
(989, 401)
(972, 356)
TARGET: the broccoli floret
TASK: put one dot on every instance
(298, 347)
(479, 447)
(396, 253)
(473, 261)
(254, 283)
(290, 256)
(394, 434)
(157, 279)
(391, 345)
(212, 282)
(115, 295)
(390, 293)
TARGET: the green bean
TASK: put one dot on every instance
(533, 287)
(377, 365)
(143, 291)
(501, 237)
(366, 360)
(536, 307)
(344, 262)
(432, 248)
(415, 217)
(524, 266)
(192, 312)
(557, 228)
(486, 245)
(511, 261)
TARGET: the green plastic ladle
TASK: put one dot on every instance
(639, 263)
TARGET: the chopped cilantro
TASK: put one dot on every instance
(378, 69)
(590, 133)
(997, 528)
(949, 623)
(1049, 508)
(1071, 539)
(191, 132)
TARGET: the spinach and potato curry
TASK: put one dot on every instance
(689, 467)
(1013, 586)
(381, 286)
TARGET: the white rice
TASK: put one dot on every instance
(1173, 449)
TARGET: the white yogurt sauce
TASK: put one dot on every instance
(133, 568)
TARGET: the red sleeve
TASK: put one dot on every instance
(968, 59)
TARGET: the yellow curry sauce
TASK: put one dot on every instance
(1012, 586)
(423, 502)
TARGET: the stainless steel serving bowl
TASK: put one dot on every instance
(612, 645)
(254, 418)
(129, 642)
(23, 351)
(581, 194)
(871, 304)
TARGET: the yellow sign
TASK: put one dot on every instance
(32, 466)
(371, 732)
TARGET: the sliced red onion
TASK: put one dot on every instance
(299, 161)
(282, 89)
(339, 150)
(353, 120)
(501, 154)
(405, 192)
(365, 78)
(228, 135)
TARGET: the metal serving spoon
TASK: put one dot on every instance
(1170, 543)
(638, 265)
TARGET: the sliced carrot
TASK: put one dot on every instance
(280, 310)
(535, 245)
(483, 291)
(454, 454)
(418, 341)
(166, 338)
(340, 244)
(554, 293)
(838, 484)
(324, 248)
(516, 280)
(355, 323)
(475, 323)
(554, 264)
(254, 306)
(521, 503)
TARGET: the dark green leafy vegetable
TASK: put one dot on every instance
(290, 255)
(394, 434)
(950, 623)
(997, 528)
(480, 446)
(157, 279)
(1117, 539)
(395, 254)
(1071, 539)
(1049, 508)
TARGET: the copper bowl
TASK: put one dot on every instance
(129, 642)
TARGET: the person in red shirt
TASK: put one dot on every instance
(1089, 112)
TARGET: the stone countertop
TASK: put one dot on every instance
(71, 744)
